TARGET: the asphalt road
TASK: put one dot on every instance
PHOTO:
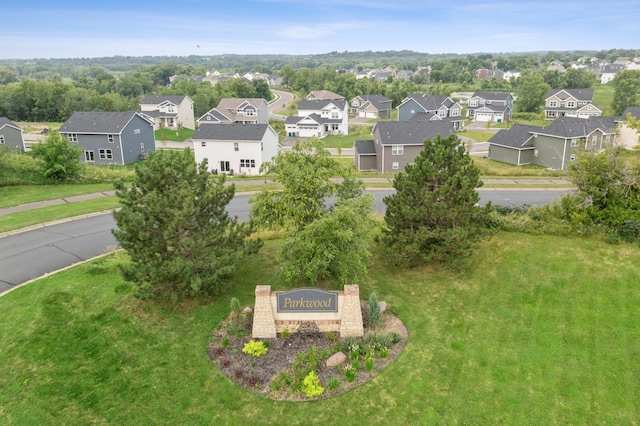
(31, 254)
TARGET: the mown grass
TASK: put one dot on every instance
(536, 330)
(173, 135)
(24, 194)
(498, 169)
(478, 135)
(603, 97)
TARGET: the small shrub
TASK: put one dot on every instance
(225, 363)
(285, 333)
(311, 385)
(629, 231)
(254, 381)
(235, 306)
(395, 337)
(218, 352)
(254, 348)
(384, 352)
(331, 336)
(225, 342)
(333, 384)
(238, 374)
(611, 238)
(369, 361)
(374, 310)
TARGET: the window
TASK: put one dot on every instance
(574, 142)
(553, 104)
(171, 108)
(571, 104)
(236, 147)
(105, 154)
(203, 143)
(473, 103)
(395, 165)
(110, 138)
(73, 137)
(262, 145)
(535, 152)
(248, 164)
(89, 157)
(334, 114)
(142, 147)
(224, 166)
(594, 140)
(250, 112)
(1, 139)
(397, 150)
(607, 139)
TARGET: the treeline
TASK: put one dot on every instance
(95, 89)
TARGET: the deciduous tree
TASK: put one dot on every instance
(175, 229)
(61, 159)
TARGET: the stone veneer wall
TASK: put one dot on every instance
(267, 322)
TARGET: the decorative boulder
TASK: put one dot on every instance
(308, 328)
(336, 359)
(247, 310)
(383, 306)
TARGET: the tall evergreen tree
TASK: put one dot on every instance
(175, 229)
(433, 216)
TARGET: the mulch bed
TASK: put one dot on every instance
(256, 373)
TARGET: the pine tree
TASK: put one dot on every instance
(433, 216)
(175, 229)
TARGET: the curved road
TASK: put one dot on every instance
(27, 255)
(283, 99)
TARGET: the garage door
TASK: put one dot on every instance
(483, 116)
(372, 115)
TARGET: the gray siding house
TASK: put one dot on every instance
(371, 106)
(490, 106)
(555, 145)
(11, 136)
(110, 137)
(415, 103)
(397, 143)
(570, 103)
(237, 110)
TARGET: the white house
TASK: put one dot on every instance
(319, 118)
(235, 148)
(169, 111)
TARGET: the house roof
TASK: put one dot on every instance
(365, 147)
(318, 104)
(432, 116)
(381, 103)
(4, 121)
(578, 94)
(158, 99)
(220, 117)
(323, 95)
(232, 132)
(497, 96)
(294, 119)
(517, 136)
(235, 103)
(429, 102)
(411, 132)
(573, 127)
(634, 111)
(98, 122)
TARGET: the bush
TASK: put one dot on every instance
(311, 385)
(254, 348)
(374, 310)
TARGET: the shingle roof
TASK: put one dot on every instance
(364, 147)
(498, 96)
(378, 101)
(4, 121)
(579, 94)
(429, 102)
(97, 122)
(573, 127)
(324, 94)
(232, 132)
(318, 104)
(411, 132)
(517, 136)
(158, 99)
(634, 111)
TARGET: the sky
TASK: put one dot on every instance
(72, 29)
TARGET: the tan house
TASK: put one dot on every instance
(570, 103)
(237, 110)
(628, 138)
(169, 111)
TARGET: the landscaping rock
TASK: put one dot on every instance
(247, 310)
(309, 328)
(336, 359)
(383, 306)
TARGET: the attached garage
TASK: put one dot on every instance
(483, 116)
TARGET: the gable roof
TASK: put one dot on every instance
(232, 132)
(99, 122)
(318, 104)
(158, 99)
(235, 103)
(634, 111)
(517, 136)
(578, 94)
(493, 96)
(433, 116)
(411, 132)
(323, 95)
(573, 127)
(364, 147)
(429, 102)
(4, 121)
(380, 102)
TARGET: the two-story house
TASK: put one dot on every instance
(323, 95)
(570, 103)
(235, 148)
(237, 110)
(319, 118)
(555, 145)
(170, 111)
(396, 144)
(371, 106)
(490, 106)
(110, 137)
(11, 136)
(415, 103)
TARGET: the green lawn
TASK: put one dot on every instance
(336, 141)
(538, 330)
(603, 96)
(173, 135)
(24, 194)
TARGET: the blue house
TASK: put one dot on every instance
(110, 137)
